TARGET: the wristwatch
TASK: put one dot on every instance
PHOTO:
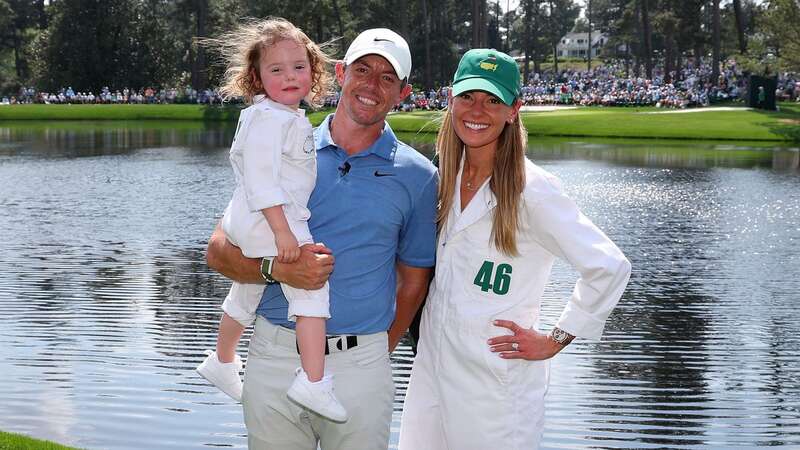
(560, 336)
(266, 270)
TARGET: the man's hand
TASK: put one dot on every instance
(310, 271)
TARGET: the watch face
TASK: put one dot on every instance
(264, 266)
(559, 335)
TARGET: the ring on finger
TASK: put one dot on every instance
(515, 346)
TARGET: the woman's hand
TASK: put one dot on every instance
(524, 343)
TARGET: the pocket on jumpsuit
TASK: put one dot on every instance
(496, 365)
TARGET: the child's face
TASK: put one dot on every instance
(285, 72)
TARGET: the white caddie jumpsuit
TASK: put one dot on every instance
(462, 396)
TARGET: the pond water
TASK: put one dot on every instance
(108, 304)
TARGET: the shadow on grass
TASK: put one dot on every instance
(790, 132)
(785, 122)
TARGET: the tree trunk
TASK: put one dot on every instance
(508, 25)
(19, 63)
(477, 23)
(402, 11)
(340, 25)
(589, 46)
(527, 38)
(737, 9)
(647, 38)
(627, 59)
(715, 55)
(40, 12)
(427, 35)
(669, 57)
(555, 59)
(199, 73)
(554, 39)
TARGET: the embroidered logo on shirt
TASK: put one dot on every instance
(308, 145)
(383, 174)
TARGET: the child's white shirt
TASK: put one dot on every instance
(274, 162)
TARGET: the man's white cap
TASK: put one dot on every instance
(383, 42)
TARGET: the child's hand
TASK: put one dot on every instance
(288, 251)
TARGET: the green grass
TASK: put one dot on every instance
(12, 441)
(593, 122)
(119, 112)
(641, 123)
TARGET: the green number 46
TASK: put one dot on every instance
(502, 278)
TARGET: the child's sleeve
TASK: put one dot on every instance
(261, 161)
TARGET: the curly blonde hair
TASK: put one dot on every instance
(242, 48)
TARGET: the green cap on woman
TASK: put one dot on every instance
(489, 70)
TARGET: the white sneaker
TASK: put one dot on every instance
(225, 376)
(317, 396)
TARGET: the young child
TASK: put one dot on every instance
(274, 65)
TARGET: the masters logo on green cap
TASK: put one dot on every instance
(489, 70)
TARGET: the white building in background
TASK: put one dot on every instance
(575, 45)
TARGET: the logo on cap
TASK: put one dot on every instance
(489, 64)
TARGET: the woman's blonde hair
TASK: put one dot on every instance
(507, 182)
(243, 47)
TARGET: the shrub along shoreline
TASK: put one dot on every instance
(739, 124)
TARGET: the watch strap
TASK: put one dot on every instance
(266, 270)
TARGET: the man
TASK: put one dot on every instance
(374, 209)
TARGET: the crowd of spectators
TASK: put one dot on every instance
(605, 85)
(146, 95)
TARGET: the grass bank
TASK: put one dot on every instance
(739, 124)
(642, 123)
(13, 441)
(119, 112)
(172, 113)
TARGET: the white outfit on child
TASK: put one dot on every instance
(274, 162)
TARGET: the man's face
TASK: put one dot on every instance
(370, 89)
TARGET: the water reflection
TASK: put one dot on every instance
(82, 139)
(108, 303)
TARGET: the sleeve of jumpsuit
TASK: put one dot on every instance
(560, 227)
(261, 161)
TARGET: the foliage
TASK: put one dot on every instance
(780, 22)
(88, 44)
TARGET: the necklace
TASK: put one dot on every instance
(477, 179)
(475, 184)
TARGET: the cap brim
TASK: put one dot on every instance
(398, 69)
(482, 84)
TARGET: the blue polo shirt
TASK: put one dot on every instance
(371, 209)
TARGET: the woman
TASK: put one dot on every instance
(481, 371)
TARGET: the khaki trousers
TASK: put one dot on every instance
(362, 382)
